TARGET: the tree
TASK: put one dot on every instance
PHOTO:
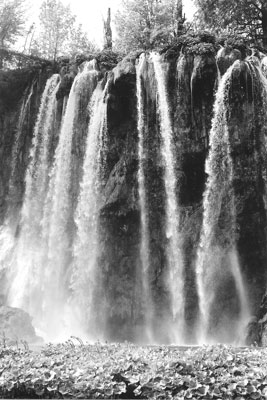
(246, 17)
(108, 32)
(12, 21)
(148, 23)
(79, 43)
(59, 33)
(56, 22)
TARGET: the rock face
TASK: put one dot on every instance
(193, 74)
(193, 77)
(20, 92)
(16, 325)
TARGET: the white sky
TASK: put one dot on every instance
(90, 12)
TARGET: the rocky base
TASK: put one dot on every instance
(16, 325)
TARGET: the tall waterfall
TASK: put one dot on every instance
(263, 79)
(57, 219)
(218, 198)
(86, 275)
(25, 276)
(15, 167)
(8, 229)
(39, 274)
(144, 236)
(175, 279)
(264, 65)
(114, 238)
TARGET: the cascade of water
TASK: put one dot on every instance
(244, 315)
(86, 280)
(181, 63)
(37, 172)
(12, 190)
(219, 187)
(264, 65)
(218, 56)
(8, 229)
(144, 237)
(175, 278)
(57, 217)
(21, 120)
(262, 71)
(27, 254)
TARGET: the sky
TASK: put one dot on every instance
(91, 12)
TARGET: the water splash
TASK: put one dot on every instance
(244, 315)
(144, 237)
(86, 276)
(175, 279)
(218, 194)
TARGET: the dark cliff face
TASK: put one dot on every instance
(192, 82)
(20, 93)
(247, 130)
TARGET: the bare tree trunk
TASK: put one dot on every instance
(1, 53)
(179, 17)
(108, 32)
(264, 25)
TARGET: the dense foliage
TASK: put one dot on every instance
(59, 34)
(149, 23)
(12, 20)
(127, 371)
(245, 17)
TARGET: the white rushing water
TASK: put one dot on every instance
(86, 277)
(262, 70)
(244, 315)
(8, 229)
(39, 275)
(22, 121)
(27, 253)
(219, 168)
(57, 219)
(264, 65)
(144, 236)
(23, 113)
(175, 279)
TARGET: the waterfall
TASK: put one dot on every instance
(39, 272)
(264, 65)
(144, 236)
(218, 195)
(15, 161)
(57, 221)
(37, 172)
(27, 251)
(263, 79)
(86, 275)
(23, 112)
(175, 279)
(102, 245)
(8, 229)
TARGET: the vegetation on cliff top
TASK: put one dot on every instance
(11, 21)
(248, 18)
(139, 25)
